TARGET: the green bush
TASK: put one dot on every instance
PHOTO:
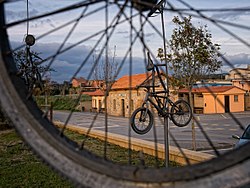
(69, 102)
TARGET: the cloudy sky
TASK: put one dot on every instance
(87, 35)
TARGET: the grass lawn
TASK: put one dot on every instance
(19, 167)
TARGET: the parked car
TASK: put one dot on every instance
(245, 138)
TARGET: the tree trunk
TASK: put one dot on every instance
(191, 102)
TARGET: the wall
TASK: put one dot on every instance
(216, 103)
(137, 96)
(242, 84)
(96, 105)
(115, 101)
(198, 100)
(85, 106)
(247, 102)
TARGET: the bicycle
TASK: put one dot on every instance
(142, 118)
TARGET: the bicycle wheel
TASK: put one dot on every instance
(89, 28)
(142, 120)
(181, 113)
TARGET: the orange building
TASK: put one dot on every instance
(217, 99)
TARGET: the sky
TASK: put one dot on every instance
(88, 33)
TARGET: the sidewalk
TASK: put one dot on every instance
(204, 145)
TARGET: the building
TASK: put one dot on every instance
(125, 95)
(82, 85)
(240, 77)
(97, 101)
(217, 99)
(79, 82)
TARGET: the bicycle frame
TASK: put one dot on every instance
(162, 101)
(160, 105)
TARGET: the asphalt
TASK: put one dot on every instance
(222, 116)
(206, 145)
(209, 146)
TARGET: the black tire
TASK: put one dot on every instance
(181, 113)
(141, 125)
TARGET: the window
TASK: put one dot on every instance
(132, 105)
(236, 98)
(114, 104)
(246, 134)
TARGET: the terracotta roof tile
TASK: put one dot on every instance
(94, 93)
(212, 89)
(80, 80)
(136, 79)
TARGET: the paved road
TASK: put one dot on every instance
(218, 128)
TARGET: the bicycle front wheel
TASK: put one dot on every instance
(181, 113)
(142, 120)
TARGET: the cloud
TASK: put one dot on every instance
(241, 60)
(122, 32)
(67, 64)
(238, 59)
(232, 15)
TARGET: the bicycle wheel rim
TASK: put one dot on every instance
(135, 121)
(175, 116)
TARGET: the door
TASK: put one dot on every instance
(227, 104)
(123, 107)
(100, 106)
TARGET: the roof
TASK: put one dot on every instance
(213, 89)
(80, 80)
(94, 93)
(124, 82)
(244, 69)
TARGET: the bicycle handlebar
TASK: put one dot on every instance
(150, 65)
(155, 8)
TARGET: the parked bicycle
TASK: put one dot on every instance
(142, 118)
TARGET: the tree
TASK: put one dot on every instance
(31, 72)
(106, 69)
(192, 54)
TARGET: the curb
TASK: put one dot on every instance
(178, 155)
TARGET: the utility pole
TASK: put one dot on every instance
(166, 118)
(159, 7)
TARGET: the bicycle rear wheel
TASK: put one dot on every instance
(181, 113)
(142, 120)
